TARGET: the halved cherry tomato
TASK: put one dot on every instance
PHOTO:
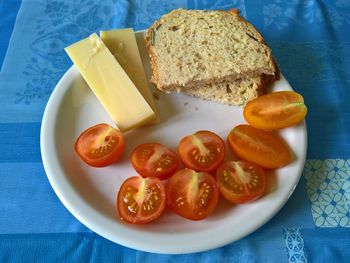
(261, 147)
(100, 145)
(241, 181)
(192, 195)
(154, 159)
(202, 151)
(141, 200)
(275, 110)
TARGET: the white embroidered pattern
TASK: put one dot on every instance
(328, 187)
(295, 245)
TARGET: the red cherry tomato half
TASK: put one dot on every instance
(141, 200)
(154, 159)
(202, 151)
(264, 148)
(192, 195)
(100, 145)
(241, 181)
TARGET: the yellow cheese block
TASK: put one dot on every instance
(112, 86)
(122, 44)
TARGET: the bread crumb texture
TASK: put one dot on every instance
(207, 54)
(238, 92)
(196, 45)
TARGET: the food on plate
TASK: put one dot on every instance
(241, 181)
(111, 85)
(235, 92)
(122, 44)
(215, 55)
(264, 148)
(192, 195)
(100, 145)
(154, 160)
(141, 200)
(275, 110)
(202, 151)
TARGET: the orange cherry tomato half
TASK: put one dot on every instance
(275, 110)
(202, 151)
(154, 159)
(141, 200)
(264, 148)
(240, 182)
(100, 145)
(192, 195)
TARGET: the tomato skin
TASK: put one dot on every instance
(275, 110)
(202, 151)
(100, 145)
(192, 195)
(154, 160)
(141, 200)
(264, 148)
(241, 181)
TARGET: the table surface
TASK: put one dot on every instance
(8, 14)
(311, 42)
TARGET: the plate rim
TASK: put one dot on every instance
(52, 168)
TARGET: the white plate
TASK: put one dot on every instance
(90, 193)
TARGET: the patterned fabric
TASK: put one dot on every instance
(311, 42)
(295, 245)
(328, 186)
(280, 14)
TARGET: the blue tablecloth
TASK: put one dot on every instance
(311, 42)
(8, 13)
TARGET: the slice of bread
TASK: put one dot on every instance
(237, 92)
(195, 48)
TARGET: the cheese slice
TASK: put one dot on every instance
(112, 86)
(122, 44)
